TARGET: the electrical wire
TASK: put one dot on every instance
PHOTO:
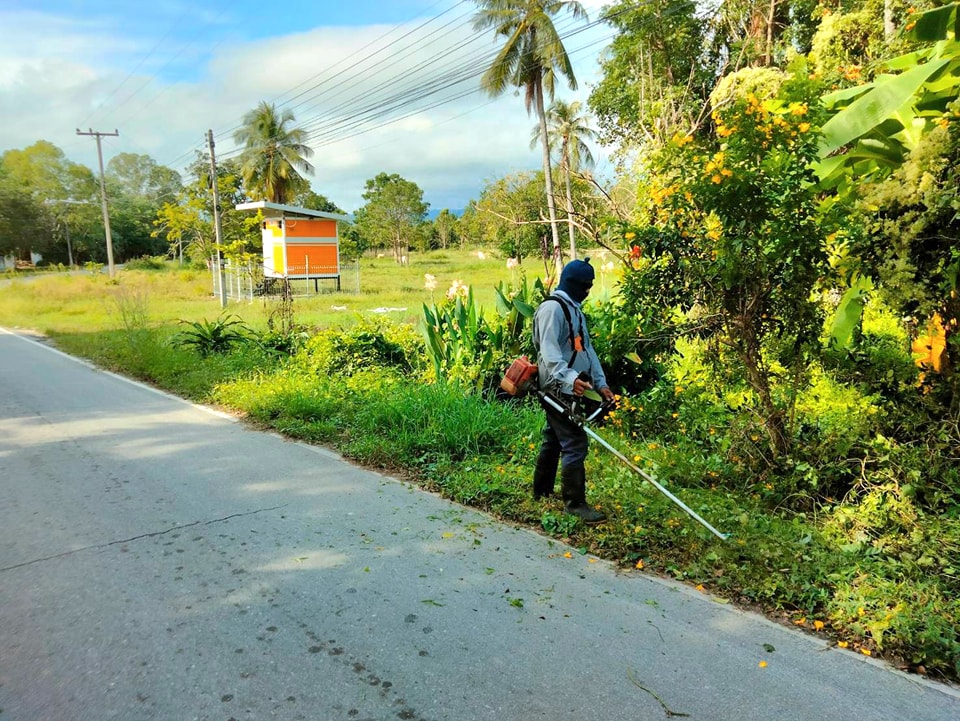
(146, 56)
(385, 102)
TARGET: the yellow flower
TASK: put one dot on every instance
(640, 562)
(762, 664)
(842, 644)
(803, 127)
(726, 172)
(700, 587)
(818, 625)
(630, 235)
(568, 555)
(716, 179)
(798, 108)
(866, 651)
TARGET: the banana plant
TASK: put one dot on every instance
(878, 123)
(515, 309)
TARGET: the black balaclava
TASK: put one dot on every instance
(576, 279)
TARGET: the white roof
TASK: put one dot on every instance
(281, 210)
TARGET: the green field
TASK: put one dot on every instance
(65, 303)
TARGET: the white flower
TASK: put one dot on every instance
(431, 283)
(512, 263)
(457, 288)
(481, 255)
(607, 267)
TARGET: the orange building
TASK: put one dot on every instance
(299, 243)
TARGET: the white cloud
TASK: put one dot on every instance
(87, 73)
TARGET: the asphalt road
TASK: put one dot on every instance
(162, 561)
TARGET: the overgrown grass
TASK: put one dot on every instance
(57, 303)
(871, 569)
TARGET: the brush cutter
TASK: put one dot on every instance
(573, 413)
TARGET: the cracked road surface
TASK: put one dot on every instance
(161, 561)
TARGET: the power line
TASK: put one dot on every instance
(415, 90)
(130, 74)
(379, 106)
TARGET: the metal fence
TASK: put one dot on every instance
(246, 282)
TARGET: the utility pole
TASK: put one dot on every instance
(218, 230)
(103, 194)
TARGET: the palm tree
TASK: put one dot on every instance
(569, 130)
(530, 58)
(274, 155)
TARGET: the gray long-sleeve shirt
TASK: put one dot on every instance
(551, 338)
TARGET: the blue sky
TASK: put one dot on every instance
(381, 85)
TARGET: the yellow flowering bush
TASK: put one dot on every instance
(736, 233)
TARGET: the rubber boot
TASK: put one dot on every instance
(574, 483)
(545, 474)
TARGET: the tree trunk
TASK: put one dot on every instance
(769, 54)
(566, 175)
(397, 245)
(888, 27)
(748, 348)
(548, 175)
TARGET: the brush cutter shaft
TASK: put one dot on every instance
(647, 477)
(561, 408)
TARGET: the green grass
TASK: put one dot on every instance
(61, 303)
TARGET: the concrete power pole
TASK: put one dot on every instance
(217, 228)
(103, 195)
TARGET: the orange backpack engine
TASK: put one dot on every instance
(516, 381)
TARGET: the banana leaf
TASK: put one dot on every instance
(888, 95)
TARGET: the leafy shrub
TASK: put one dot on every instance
(213, 337)
(148, 262)
(878, 363)
(345, 352)
(836, 417)
(468, 349)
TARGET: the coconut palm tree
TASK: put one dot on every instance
(568, 131)
(274, 156)
(531, 57)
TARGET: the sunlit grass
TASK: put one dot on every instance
(60, 303)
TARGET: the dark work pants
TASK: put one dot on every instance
(563, 439)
